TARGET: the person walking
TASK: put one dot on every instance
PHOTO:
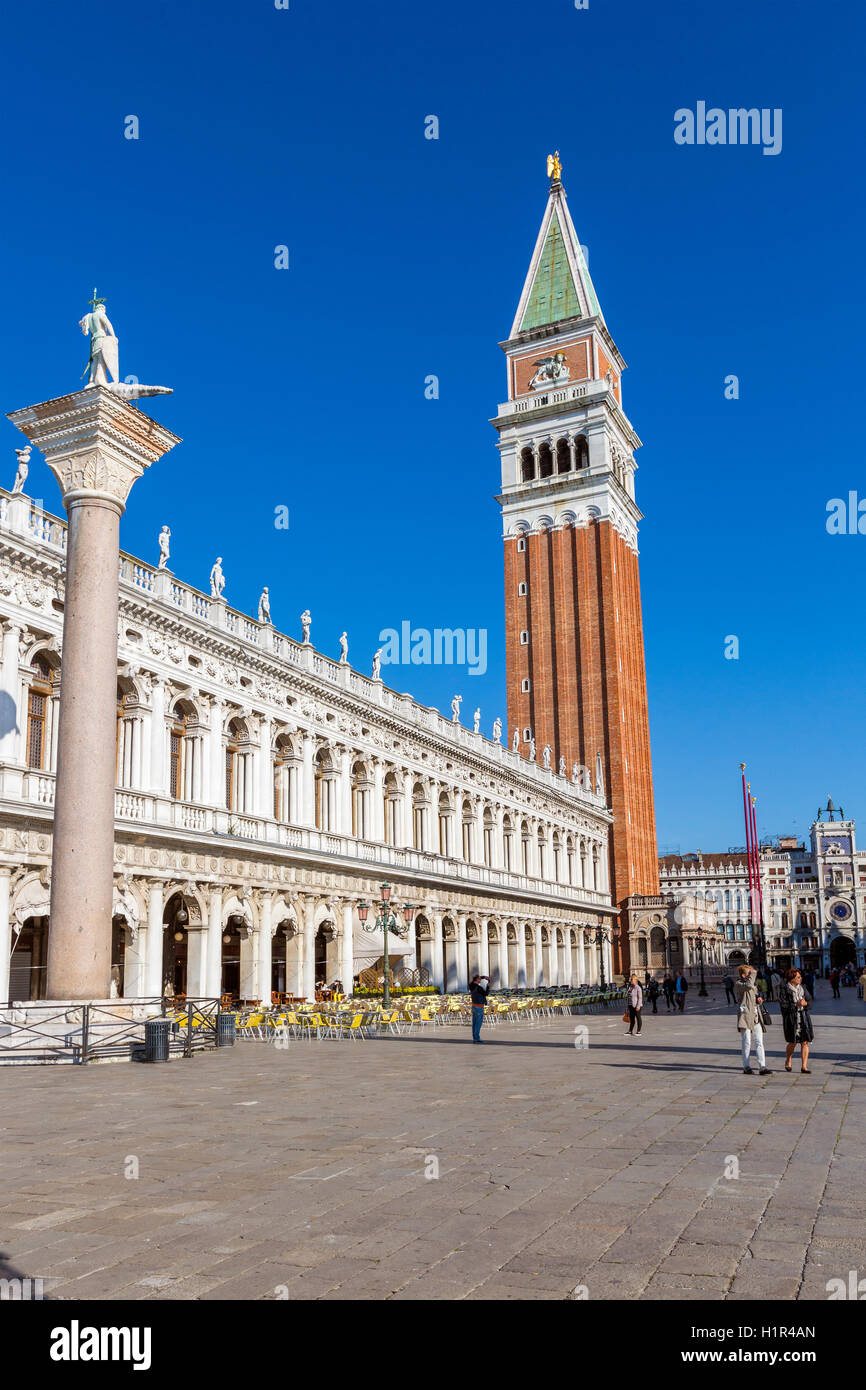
(668, 989)
(834, 981)
(728, 982)
(861, 985)
(796, 1021)
(478, 991)
(749, 1021)
(680, 987)
(653, 994)
(635, 1005)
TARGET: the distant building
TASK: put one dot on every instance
(814, 895)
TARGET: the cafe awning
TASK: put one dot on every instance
(368, 946)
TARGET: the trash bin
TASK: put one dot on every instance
(225, 1029)
(156, 1037)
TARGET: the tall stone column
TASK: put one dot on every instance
(522, 981)
(265, 952)
(347, 948)
(5, 931)
(214, 972)
(153, 970)
(96, 445)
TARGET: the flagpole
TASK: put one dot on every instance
(753, 900)
(758, 883)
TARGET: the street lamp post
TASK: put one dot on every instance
(601, 936)
(385, 921)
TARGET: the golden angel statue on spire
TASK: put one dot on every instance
(554, 167)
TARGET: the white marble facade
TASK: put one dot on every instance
(263, 789)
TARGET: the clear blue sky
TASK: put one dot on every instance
(305, 387)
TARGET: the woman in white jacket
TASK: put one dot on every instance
(749, 1019)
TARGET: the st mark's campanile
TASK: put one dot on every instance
(574, 633)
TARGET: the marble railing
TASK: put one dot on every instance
(19, 786)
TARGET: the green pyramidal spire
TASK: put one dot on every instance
(558, 285)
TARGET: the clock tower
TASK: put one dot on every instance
(574, 632)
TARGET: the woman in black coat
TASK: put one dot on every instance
(796, 1022)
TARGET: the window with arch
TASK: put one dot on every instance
(285, 780)
(563, 456)
(525, 847)
(326, 786)
(238, 767)
(569, 859)
(521, 543)
(362, 787)
(524, 638)
(446, 844)
(420, 803)
(545, 461)
(468, 831)
(527, 465)
(727, 900)
(184, 753)
(489, 833)
(522, 589)
(392, 800)
(542, 853)
(38, 712)
(525, 685)
(507, 842)
(557, 857)
(581, 452)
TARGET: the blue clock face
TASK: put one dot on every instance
(841, 911)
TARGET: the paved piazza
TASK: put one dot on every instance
(301, 1173)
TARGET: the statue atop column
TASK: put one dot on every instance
(344, 649)
(497, 730)
(23, 456)
(264, 606)
(377, 664)
(455, 709)
(545, 755)
(476, 721)
(164, 540)
(305, 624)
(104, 356)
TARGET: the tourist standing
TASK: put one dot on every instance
(796, 1022)
(749, 1022)
(653, 994)
(680, 987)
(861, 985)
(729, 989)
(478, 994)
(834, 981)
(668, 989)
(635, 1005)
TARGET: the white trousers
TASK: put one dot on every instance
(746, 1038)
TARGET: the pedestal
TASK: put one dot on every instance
(96, 445)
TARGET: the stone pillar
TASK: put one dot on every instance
(436, 952)
(153, 969)
(521, 980)
(504, 965)
(5, 926)
(214, 972)
(96, 445)
(266, 915)
(461, 981)
(347, 954)
(309, 949)
(11, 715)
(483, 949)
(158, 779)
(552, 955)
(266, 775)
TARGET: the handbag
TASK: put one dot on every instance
(764, 1016)
(626, 1018)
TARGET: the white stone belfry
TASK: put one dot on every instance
(96, 445)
